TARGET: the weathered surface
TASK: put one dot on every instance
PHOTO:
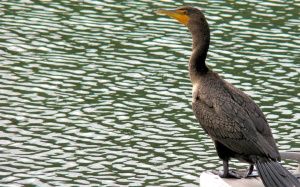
(247, 182)
(208, 179)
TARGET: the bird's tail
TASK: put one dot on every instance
(274, 175)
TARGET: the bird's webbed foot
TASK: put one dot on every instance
(229, 173)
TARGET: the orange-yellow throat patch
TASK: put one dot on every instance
(177, 14)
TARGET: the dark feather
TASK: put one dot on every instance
(274, 175)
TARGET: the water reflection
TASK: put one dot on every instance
(97, 93)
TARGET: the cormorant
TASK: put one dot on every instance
(231, 118)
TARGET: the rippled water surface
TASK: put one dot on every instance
(96, 93)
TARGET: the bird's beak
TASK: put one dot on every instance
(177, 14)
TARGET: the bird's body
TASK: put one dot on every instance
(231, 118)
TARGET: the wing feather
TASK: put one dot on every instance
(231, 117)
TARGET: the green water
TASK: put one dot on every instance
(96, 93)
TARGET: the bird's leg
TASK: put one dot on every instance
(225, 169)
(249, 171)
(228, 173)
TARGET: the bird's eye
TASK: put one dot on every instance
(185, 12)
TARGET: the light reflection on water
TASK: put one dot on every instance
(97, 93)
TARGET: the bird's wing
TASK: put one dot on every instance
(255, 116)
(231, 117)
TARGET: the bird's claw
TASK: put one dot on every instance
(230, 174)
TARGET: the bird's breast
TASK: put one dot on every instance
(195, 92)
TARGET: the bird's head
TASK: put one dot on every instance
(185, 15)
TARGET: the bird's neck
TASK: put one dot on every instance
(201, 39)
